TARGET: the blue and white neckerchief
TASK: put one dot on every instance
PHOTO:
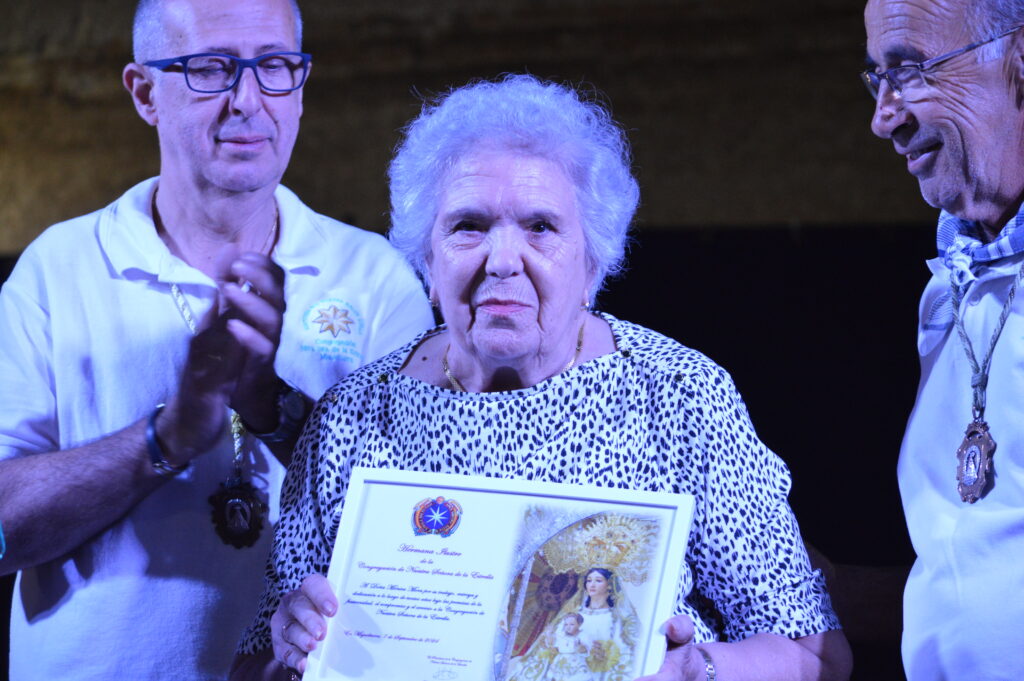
(962, 251)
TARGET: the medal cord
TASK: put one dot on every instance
(979, 377)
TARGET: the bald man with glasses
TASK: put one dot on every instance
(159, 357)
(948, 80)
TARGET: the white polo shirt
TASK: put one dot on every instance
(964, 600)
(92, 341)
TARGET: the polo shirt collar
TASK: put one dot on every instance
(128, 235)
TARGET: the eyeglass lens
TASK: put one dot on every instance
(900, 78)
(216, 73)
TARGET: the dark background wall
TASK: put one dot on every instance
(741, 112)
(775, 234)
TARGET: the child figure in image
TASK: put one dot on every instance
(569, 654)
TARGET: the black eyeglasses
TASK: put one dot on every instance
(210, 72)
(910, 76)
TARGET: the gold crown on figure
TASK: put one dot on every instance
(620, 543)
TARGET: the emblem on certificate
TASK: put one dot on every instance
(436, 516)
(974, 462)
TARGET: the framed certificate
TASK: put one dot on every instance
(444, 577)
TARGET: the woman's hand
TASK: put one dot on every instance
(765, 657)
(299, 622)
(682, 661)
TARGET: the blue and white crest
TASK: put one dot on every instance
(436, 516)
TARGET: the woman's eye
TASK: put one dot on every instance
(465, 226)
(541, 226)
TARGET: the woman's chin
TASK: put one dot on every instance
(503, 347)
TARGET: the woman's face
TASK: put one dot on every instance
(597, 586)
(507, 260)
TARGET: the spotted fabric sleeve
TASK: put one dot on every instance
(751, 570)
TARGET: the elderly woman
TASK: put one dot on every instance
(513, 200)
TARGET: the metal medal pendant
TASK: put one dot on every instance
(974, 462)
(237, 513)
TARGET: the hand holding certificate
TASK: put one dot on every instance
(452, 577)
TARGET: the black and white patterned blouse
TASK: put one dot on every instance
(653, 415)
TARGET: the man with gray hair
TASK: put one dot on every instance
(948, 79)
(159, 356)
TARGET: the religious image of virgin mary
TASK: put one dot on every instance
(602, 645)
(594, 633)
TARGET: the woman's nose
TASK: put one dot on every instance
(505, 257)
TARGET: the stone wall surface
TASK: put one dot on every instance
(741, 112)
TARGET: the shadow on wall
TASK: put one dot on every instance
(817, 329)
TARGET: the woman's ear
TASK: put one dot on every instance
(428, 278)
(590, 293)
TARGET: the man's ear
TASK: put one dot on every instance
(1015, 69)
(139, 82)
(303, 88)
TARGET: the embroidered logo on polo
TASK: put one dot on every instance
(333, 329)
(333, 319)
(438, 516)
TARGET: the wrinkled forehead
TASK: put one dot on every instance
(900, 31)
(495, 176)
(242, 27)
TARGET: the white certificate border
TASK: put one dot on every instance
(681, 506)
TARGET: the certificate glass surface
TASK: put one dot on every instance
(444, 577)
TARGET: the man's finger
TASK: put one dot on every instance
(257, 346)
(261, 276)
(252, 309)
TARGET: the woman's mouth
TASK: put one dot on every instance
(496, 306)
